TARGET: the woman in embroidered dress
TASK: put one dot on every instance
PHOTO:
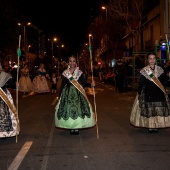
(25, 83)
(73, 110)
(40, 81)
(151, 108)
(9, 122)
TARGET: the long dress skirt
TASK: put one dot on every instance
(73, 111)
(40, 84)
(9, 125)
(25, 84)
(154, 121)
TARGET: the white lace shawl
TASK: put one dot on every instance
(157, 72)
(77, 73)
(4, 77)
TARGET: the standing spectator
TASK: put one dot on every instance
(166, 67)
(151, 108)
(110, 76)
(14, 74)
(40, 83)
(120, 71)
(9, 123)
(73, 110)
(54, 80)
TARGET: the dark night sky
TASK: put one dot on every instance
(67, 19)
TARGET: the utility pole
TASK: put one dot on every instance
(167, 27)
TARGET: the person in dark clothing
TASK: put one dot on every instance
(120, 71)
(14, 74)
(166, 67)
(151, 108)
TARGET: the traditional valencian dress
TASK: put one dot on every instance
(25, 83)
(9, 122)
(151, 108)
(73, 110)
(40, 83)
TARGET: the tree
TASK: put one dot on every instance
(107, 41)
(129, 14)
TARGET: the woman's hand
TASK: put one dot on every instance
(17, 85)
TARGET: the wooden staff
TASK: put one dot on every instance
(91, 62)
(17, 117)
(167, 44)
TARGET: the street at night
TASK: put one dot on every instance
(114, 144)
(85, 85)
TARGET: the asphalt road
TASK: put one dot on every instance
(113, 144)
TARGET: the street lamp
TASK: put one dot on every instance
(29, 46)
(52, 43)
(29, 59)
(52, 48)
(105, 8)
(24, 25)
(62, 46)
(106, 37)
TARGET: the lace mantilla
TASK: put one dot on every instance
(4, 77)
(77, 73)
(157, 72)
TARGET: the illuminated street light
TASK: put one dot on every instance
(29, 46)
(105, 8)
(52, 47)
(24, 26)
(58, 70)
(52, 43)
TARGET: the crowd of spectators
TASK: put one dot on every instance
(120, 75)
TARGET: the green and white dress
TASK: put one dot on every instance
(73, 110)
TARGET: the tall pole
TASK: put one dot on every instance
(58, 68)
(29, 60)
(167, 28)
(58, 60)
(17, 84)
(24, 41)
(78, 60)
(52, 53)
(52, 49)
(91, 61)
(107, 31)
(105, 8)
(106, 13)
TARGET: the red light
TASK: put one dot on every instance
(99, 63)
